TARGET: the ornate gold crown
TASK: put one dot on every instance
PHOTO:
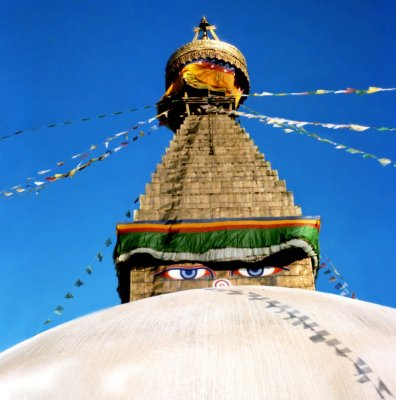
(206, 48)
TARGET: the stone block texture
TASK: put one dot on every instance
(212, 169)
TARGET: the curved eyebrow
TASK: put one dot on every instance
(163, 269)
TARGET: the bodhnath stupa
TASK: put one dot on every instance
(217, 276)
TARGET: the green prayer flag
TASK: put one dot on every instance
(69, 295)
(89, 270)
(108, 242)
(78, 283)
(147, 107)
(48, 321)
(99, 256)
(352, 151)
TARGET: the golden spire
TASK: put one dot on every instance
(205, 27)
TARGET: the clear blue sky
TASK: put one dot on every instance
(63, 60)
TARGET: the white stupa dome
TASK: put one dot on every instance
(246, 342)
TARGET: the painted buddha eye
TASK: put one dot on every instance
(257, 272)
(185, 273)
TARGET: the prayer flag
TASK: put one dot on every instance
(58, 310)
(384, 161)
(99, 256)
(338, 286)
(78, 283)
(359, 128)
(69, 295)
(373, 89)
(108, 242)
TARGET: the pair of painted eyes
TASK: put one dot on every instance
(199, 273)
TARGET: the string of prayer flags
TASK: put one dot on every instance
(300, 124)
(69, 122)
(341, 285)
(370, 90)
(382, 160)
(278, 123)
(28, 188)
(79, 283)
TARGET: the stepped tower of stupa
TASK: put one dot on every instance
(215, 213)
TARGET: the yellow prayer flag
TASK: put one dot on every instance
(373, 89)
(384, 161)
(359, 128)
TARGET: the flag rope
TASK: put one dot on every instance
(79, 282)
(302, 131)
(341, 285)
(69, 122)
(370, 90)
(35, 185)
(299, 124)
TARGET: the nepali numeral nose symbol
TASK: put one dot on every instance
(221, 283)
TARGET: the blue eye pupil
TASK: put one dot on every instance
(188, 273)
(255, 271)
